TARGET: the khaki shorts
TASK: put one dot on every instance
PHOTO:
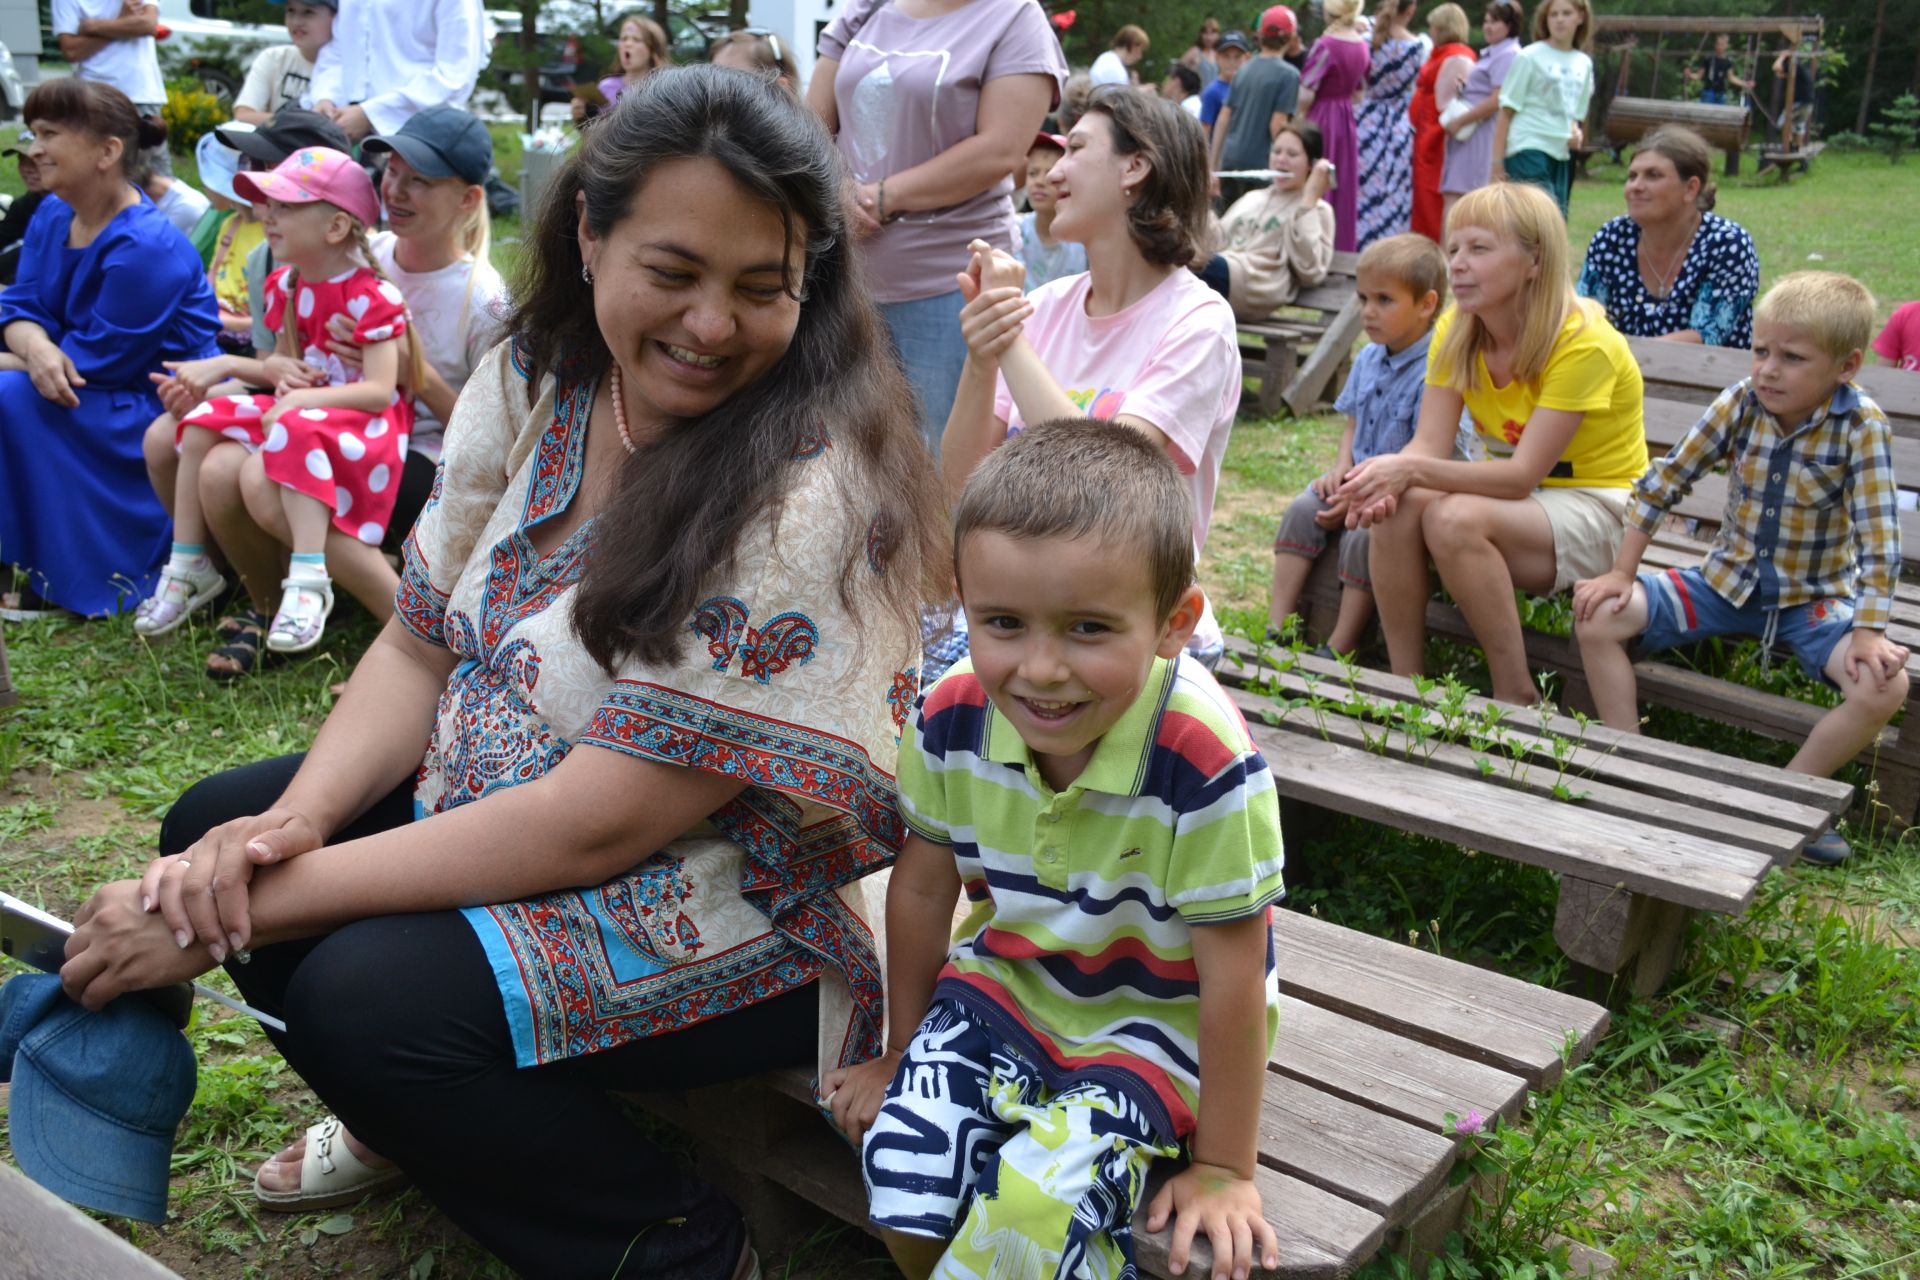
(1588, 525)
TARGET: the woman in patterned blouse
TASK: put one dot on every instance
(1671, 267)
(655, 637)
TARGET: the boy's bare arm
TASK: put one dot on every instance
(1215, 1195)
(920, 898)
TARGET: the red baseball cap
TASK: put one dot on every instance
(1278, 21)
(1053, 140)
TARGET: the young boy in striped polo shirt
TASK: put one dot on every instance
(1110, 999)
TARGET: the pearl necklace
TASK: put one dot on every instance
(620, 407)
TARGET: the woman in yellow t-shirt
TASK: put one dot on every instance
(1555, 398)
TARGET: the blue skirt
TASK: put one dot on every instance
(76, 508)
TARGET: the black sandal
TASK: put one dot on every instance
(241, 637)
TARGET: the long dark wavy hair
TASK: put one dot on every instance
(669, 536)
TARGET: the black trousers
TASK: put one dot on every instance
(396, 1022)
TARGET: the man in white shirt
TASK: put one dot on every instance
(112, 41)
(390, 59)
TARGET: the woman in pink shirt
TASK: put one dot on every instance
(1138, 339)
(934, 104)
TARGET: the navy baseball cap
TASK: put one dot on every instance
(441, 142)
(290, 129)
(95, 1097)
(1234, 40)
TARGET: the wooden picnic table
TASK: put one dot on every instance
(1642, 831)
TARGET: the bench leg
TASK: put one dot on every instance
(1283, 360)
(1609, 929)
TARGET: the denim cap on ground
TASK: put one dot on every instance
(441, 142)
(95, 1098)
(290, 129)
(218, 165)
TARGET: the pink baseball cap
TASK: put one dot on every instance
(1278, 21)
(1054, 140)
(315, 173)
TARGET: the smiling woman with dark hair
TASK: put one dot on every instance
(656, 630)
(107, 289)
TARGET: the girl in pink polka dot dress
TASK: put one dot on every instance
(332, 437)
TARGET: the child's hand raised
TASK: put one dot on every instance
(1206, 1199)
(852, 1096)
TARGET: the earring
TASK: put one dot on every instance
(586, 273)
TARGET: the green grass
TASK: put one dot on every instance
(1758, 1119)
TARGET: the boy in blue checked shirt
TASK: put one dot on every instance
(1809, 550)
(1110, 999)
(1402, 281)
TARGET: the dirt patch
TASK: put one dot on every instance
(1871, 921)
(77, 816)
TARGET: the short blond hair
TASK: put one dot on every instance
(1412, 260)
(1339, 11)
(1838, 311)
(1521, 214)
(1081, 478)
(1448, 24)
(1131, 37)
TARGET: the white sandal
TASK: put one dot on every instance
(176, 597)
(330, 1175)
(301, 619)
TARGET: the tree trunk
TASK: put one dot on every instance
(737, 14)
(530, 55)
(1873, 57)
(661, 14)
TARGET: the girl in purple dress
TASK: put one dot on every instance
(1470, 134)
(1384, 128)
(1336, 68)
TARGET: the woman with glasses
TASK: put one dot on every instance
(934, 104)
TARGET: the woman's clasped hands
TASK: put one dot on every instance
(1370, 493)
(996, 307)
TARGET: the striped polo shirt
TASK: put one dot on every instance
(1079, 947)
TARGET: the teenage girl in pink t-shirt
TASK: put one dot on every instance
(1137, 339)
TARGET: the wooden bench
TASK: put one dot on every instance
(1326, 333)
(1379, 1043)
(1658, 829)
(42, 1237)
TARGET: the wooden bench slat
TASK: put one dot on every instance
(1384, 1072)
(1373, 1159)
(1473, 1013)
(1758, 780)
(1691, 372)
(1667, 865)
(1322, 1235)
(1778, 843)
(42, 1237)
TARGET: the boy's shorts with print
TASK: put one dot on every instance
(972, 1146)
(1682, 609)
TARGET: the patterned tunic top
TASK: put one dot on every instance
(779, 684)
(1713, 293)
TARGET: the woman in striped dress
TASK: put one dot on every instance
(1386, 134)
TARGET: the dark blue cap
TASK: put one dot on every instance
(95, 1097)
(441, 142)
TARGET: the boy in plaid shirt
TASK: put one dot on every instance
(1809, 550)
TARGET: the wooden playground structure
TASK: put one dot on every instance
(1630, 102)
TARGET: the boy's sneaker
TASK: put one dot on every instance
(183, 588)
(1830, 850)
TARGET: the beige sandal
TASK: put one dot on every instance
(330, 1175)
